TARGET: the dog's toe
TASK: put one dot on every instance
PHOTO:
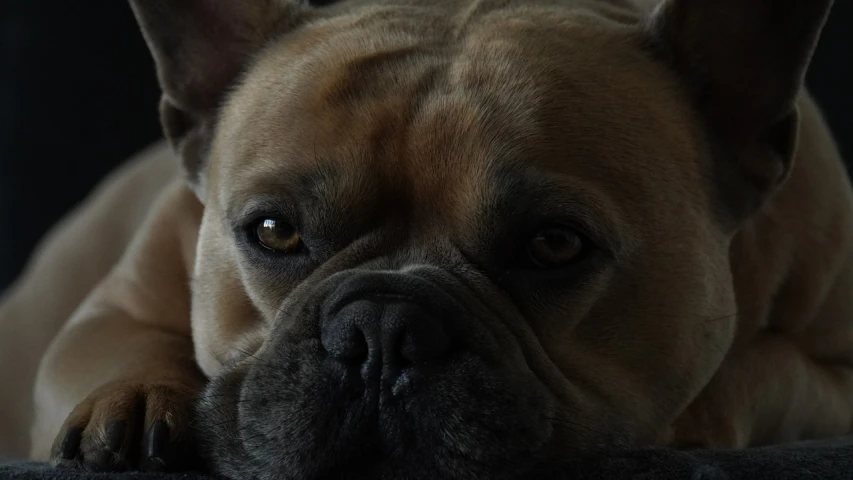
(66, 452)
(166, 444)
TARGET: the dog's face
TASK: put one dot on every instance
(457, 239)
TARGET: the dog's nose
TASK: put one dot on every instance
(400, 331)
(372, 321)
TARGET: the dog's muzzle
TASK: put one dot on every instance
(380, 374)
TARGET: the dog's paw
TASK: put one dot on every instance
(129, 426)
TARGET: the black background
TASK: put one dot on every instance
(78, 95)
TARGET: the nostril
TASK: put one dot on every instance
(345, 342)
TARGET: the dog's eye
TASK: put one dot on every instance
(278, 236)
(555, 247)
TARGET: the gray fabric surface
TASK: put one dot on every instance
(812, 461)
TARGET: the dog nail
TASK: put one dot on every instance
(158, 441)
(115, 435)
(71, 443)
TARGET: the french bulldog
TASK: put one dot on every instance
(451, 239)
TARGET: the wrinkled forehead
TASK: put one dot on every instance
(413, 100)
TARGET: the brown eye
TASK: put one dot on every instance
(278, 236)
(555, 247)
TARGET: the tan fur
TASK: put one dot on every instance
(751, 350)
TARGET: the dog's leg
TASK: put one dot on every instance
(791, 375)
(115, 388)
(770, 391)
(66, 266)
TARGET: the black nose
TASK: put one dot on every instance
(385, 320)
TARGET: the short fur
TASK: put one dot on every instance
(416, 145)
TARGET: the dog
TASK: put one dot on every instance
(452, 239)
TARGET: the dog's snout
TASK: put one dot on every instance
(386, 319)
(395, 331)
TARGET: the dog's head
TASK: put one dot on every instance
(461, 238)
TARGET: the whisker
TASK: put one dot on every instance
(226, 422)
(215, 408)
(220, 395)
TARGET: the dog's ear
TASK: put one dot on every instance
(745, 62)
(200, 49)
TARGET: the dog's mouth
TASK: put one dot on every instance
(298, 414)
